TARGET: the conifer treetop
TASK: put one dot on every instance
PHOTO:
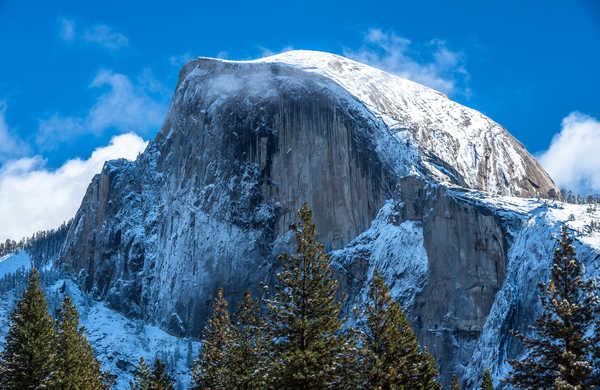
(560, 350)
(27, 359)
(304, 317)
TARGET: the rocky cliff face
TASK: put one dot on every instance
(445, 263)
(380, 161)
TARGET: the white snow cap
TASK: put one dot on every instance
(456, 143)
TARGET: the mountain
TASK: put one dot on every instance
(438, 197)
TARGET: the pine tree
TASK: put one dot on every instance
(249, 348)
(390, 355)
(560, 350)
(455, 384)
(76, 366)
(160, 379)
(304, 317)
(27, 360)
(561, 384)
(487, 382)
(212, 369)
(142, 376)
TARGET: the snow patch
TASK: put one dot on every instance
(396, 251)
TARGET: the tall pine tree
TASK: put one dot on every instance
(303, 316)
(27, 360)
(248, 351)
(155, 379)
(561, 348)
(76, 366)
(160, 379)
(142, 377)
(390, 355)
(487, 382)
(212, 369)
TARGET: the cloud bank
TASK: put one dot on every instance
(431, 64)
(33, 198)
(125, 106)
(573, 158)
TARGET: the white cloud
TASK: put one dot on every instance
(573, 158)
(105, 36)
(11, 146)
(431, 64)
(33, 198)
(100, 34)
(67, 29)
(126, 106)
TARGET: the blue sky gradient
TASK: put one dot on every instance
(73, 74)
(527, 66)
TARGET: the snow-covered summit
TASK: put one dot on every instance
(455, 143)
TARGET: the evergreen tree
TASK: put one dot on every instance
(249, 348)
(560, 345)
(212, 369)
(142, 377)
(390, 355)
(160, 380)
(487, 382)
(76, 366)
(561, 384)
(304, 317)
(455, 384)
(27, 360)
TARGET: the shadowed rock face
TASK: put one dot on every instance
(201, 207)
(467, 254)
(449, 299)
(208, 205)
(295, 145)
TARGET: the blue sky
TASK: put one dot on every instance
(73, 75)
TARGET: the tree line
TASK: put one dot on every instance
(41, 244)
(295, 337)
(570, 196)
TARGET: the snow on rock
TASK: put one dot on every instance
(118, 342)
(210, 201)
(530, 256)
(396, 251)
(455, 143)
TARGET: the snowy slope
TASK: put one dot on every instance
(118, 342)
(397, 251)
(392, 250)
(10, 263)
(530, 257)
(480, 153)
